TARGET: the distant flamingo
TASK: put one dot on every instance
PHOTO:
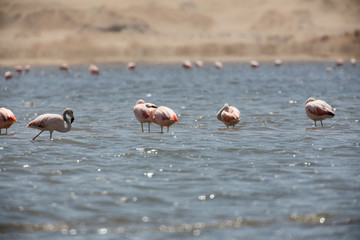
(218, 64)
(18, 69)
(131, 65)
(353, 61)
(254, 64)
(187, 64)
(93, 69)
(64, 67)
(142, 112)
(318, 110)
(199, 63)
(7, 118)
(339, 62)
(163, 116)
(53, 122)
(329, 69)
(278, 62)
(8, 75)
(27, 68)
(229, 115)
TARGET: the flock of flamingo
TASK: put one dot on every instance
(316, 110)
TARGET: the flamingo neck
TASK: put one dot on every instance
(67, 126)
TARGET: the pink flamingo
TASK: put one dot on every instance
(93, 69)
(64, 67)
(7, 118)
(163, 116)
(142, 112)
(199, 63)
(339, 62)
(218, 64)
(329, 69)
(254, 64)
(318, 110)
(8, 75)
(187, 64)
(229, 115)
(27, 68)
(353, 61)
(53, 122)
(18, 69)
(131, 65)
(278, 62)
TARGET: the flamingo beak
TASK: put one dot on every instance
(72, 119)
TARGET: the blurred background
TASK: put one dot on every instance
(82, 31)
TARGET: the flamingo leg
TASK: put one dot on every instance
(37, 135)
(315, 123)
(149, 126)
(321, 123)
(167, 129)
(51, 135)
(161, 129)
(142, 128)
(6, 131)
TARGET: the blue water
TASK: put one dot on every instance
(274, 176)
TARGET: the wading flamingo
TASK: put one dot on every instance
(218, 64)
(278, 62)
(131, 65)
(53, 122)
(353, 61)
(199, 63)
(93, 69)
(8, 75)
(64, 67)
(229, 115)
(27, 68)
(18, 69)
(7, 118)
(318, 110)
(163, 116)
(187, 64)
(339, 62)
(254, 64)
(142, 112)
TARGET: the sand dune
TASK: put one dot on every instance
(83, 31)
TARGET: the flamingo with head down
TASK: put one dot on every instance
(318, 110)
(163, 116)
(7, 118)
(142, 112)
(229, 115)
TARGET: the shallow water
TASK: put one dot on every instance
(274, 176)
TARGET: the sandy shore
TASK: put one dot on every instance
(39, 32)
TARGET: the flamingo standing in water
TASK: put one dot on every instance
(318, 110)
(53, 122)
(93, 69)
(278, 62)
(27, 68)
(8, 75)
(163, 116)
(131, 65)
(199, 63)
(187, 64)
(339, 62)
(353, 61)
(18, 69)
(142, 112)
(218, 64)
(64, 67)
(254, 64)
(229, 115)
(7, 118)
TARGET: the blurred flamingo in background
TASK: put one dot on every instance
(339, 62)
(218, 64)
(18, 69)
(278, 62)
(131, 65)
(64, 67)
(353, 61)
(8, 75)
(142, 112)
(318, 110)
(329, 69)
(93, 69)
(163, 116)
(7, 118)
(27, 68)
(229, 115)
(187, 64)
(254, 64)
(199, 63)
(53, 122)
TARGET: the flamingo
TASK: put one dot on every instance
(18, 69)
(353, 61)
(53, 122)
(254, 64)
(7, 118)
(229, 115)
(329, 69)
(64, 67)
(318, 110)
(187, 64)
(278, 62)
(199, 63)
(142, 112)
(8, 75)
(339, 62)
(27, 68)
(131, 65)
(93, 69)
(163, 116)
(218, 64)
